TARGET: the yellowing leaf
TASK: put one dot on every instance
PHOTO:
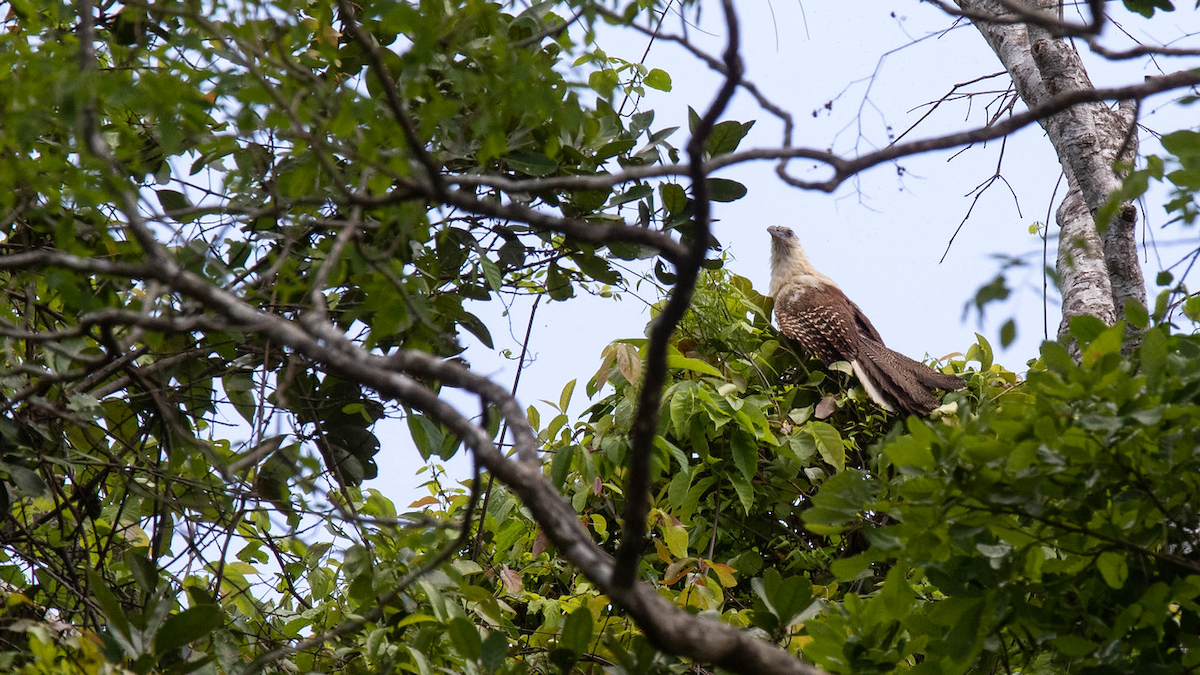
(724, 574)
(660, 549)
(677, 540)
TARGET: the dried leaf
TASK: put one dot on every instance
(825, 408)
(629, 363)
(512, 581)
(540, 542)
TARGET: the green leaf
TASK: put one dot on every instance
(1107, 342)
(477, 328)
(604, 81)
(676, 538)
(465, 638)
(187, 626)
(1153, 353)
(1146, 8)
(743, 488)
(491, 274)
(981, 351)
(1086, 328)
(829, 444)
(577, 631)
(1074, 645)
(172, 200)
(791, 597)
(560, 466)
(1136, 314)
(1113, 568)
(1008, 333)
(532, 163)
(494, 651)
(725, 190)
(680, 362)
(674, 198)
(239, 388)
(144, 572)
(558, 285)
(726, 136)
(658, 79)
(25, 480)
(425, 434)
(841, 498)
(118, 623)
(745, 453)
(1056, 358)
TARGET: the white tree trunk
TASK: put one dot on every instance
(1099, 267)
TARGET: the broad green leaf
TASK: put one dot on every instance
(680, 362)
(658, 79)
(745, 492)
(726, 136)
(25, 480)
(839, 501)
(577, 631)
(564, 399)
(465, 638)
(673, 196)
(187, 626)
(1113, 568)
(532, 163)
(494, 651)
(829, 444)
(725, 190)
(745, 453)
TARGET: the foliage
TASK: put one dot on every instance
(178, 481)
(227, 209)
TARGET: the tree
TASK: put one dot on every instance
(283, 212)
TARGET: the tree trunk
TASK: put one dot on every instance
(1098, 266)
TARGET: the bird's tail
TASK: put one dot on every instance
(904, 383)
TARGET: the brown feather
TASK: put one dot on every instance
(812, 310)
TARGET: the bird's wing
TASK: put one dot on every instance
(821, 320)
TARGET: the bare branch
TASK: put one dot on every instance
(844, 167)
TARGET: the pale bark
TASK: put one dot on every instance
(1099, 267)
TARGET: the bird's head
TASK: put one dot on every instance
(789, 264)
(783, 242)
(781, 233)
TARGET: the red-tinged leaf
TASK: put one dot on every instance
(597, 486)
(423, 501)
(725, 574)
(677, 570)
(540, 542)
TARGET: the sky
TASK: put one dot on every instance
(850, 73)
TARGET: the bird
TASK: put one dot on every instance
(812, 310)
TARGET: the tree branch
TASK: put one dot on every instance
(645, 424)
